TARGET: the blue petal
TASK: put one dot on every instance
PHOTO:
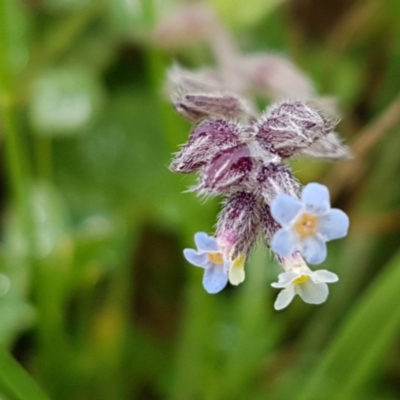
(205, 242)
(284, 242)
(313, 250)
(284, 209)
(334, 225)
(196, 258)
(316, 198)
(214, 279)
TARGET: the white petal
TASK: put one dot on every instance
(205, 242)
(284, 279)
(333, 225)
(284, 298)
(284, 242)
(284, 209)
(313, 293)
(236, 276)
(214, 279)
(313, 250)
(323, 275)
(236, 271)
(196, 258)
(316, 198)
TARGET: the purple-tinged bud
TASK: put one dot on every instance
(182, 81)
(196, 107)
(273, 179)
(268, 223)
(204, 93)
(206, 140)
(290, 127)
(276, 77)
(238, 224)
(185, 26)
(227, 170)
(329, 147)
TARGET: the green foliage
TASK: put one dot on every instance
(243, 14)
(96, 301)
(64, 101)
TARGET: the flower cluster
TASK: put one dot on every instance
(243, 159)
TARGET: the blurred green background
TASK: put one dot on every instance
(96, 300)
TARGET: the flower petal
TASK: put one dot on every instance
(205, 242)
(333, 225)
(316, 198)
(236, 271)
(323, 275)
(284, 209)
(313, 293)
(313, 250)
(215, 279)
(284, 279)
(284, 298)
(196, 258)
(284, 242)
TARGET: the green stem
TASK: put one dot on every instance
(43, 152)
(67, 32)
(16, 157)
(358, 353)
(148, 8)
(15, 382)
(56, 44)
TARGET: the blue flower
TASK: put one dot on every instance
(307, 223)
(209, 256)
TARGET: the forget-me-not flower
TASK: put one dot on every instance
(311, 286)
(210, 257)
(240, 155)
(307, 223)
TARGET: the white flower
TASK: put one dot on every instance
(311, 286)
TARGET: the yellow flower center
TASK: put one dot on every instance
(306, 224)
(216, 258)
(301, 279)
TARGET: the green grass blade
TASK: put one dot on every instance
(15, 382)
(358, 352)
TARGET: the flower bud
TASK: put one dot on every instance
(205, 141)
(238, 224)
(186, 25)
(227, 170)
(195, 107)
(329, 147)
(290, 127)
(275, 178)
(269, 225)
(276, 77)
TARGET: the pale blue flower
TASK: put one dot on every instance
(209, 256)
(307, 223)
(311, 286)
